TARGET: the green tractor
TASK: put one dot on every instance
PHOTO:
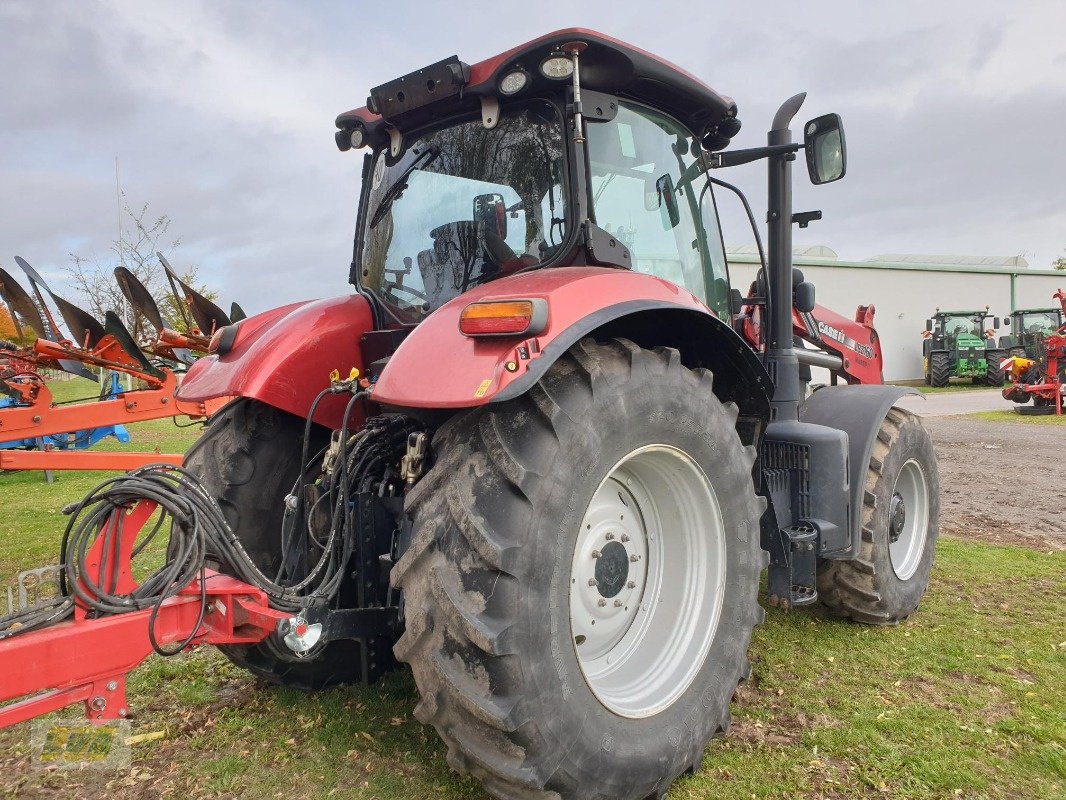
(1028, 329)
(962, 344)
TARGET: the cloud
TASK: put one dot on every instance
(221, 116)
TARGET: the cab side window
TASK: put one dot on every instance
(649, 193)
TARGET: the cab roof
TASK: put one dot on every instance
(607, 65)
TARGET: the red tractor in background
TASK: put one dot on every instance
(544, 452)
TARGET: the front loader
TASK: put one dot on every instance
(541, 454)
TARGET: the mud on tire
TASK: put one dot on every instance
(487, 578)
(881, 586)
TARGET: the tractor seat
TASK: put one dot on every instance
(454, 262)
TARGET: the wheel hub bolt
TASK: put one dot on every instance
(617, 603)
(634, 558)
(610, 535)
(601, 602)
(631, 585)
(625, 538)
(593, 582)
(595, 553)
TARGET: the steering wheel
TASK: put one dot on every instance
(390, 292)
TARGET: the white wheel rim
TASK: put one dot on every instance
(908, 519)
(647, 581)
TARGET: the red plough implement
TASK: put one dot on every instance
(80, 645)
(33, 416)
(1043, 381)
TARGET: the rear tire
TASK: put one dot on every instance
(1019, 352)
(940, 369)
(502, 523)
(248, 459)
(885, 583)
(994, 375)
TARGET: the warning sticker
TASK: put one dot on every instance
(483, 388)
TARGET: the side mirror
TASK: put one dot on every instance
(804, 297)
(929, 325)
(823, 141)
(997, 322)
(490, 210)
(671, 214)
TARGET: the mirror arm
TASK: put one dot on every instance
(734, 158)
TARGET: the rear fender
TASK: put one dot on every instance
(438, 367)
(859, 412)
(283, 357)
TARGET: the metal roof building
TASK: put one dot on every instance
(907, 290)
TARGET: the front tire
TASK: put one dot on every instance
(498, 580)
(994, 376)
(941, 369)
(900, 524)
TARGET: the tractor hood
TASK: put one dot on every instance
(451, 87)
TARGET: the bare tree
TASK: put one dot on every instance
(141, 237)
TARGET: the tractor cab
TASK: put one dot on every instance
(1028, 329)
(572, 150)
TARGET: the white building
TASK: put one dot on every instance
(906, 289)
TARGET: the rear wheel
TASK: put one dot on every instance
(941, 369)
(581, 586)
(900, 524)
(248, 459)
(1018, 351)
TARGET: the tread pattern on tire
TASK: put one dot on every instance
(994, 375)
(854, 587)
(489, 736)
(941, 369)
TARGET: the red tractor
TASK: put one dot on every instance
(543, 453)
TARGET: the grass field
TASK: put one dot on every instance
(1012, 416)
(956, 385)
(967, 698)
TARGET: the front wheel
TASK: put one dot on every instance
(941, 368)
(582, 584)
(900, 523)
(994, 376)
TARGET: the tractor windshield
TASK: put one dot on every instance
(462, 206)
(1042, 322)
(962, 326)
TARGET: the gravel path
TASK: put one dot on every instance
(947, 403)
(1002, 482)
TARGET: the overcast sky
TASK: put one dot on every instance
(221, 114)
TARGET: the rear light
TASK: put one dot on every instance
(504, 318)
